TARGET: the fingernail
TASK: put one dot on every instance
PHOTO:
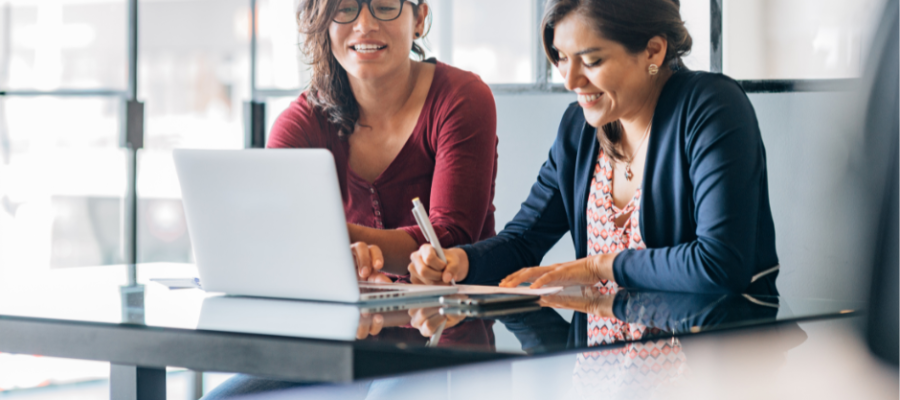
(364, 271)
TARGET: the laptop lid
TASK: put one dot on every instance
(268, 223)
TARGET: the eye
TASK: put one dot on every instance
(593, 64)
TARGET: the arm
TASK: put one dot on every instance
(465, 146)
(465, 154)
(395, 246)
(538, 225)
(727, 167)
(524, 241)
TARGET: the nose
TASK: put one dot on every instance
(574, 78)
(365, 22)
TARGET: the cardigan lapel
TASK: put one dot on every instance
(588, 151)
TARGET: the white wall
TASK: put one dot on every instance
(808, 141)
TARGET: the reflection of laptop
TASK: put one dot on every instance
(270, 223)
(304, 319)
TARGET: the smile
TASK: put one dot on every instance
(589, 98)
(367, 48)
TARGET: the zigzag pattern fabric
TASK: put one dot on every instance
(634, 370)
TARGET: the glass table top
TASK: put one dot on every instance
(576, 317)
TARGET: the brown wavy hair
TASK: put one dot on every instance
(329, 88)
(631, 23)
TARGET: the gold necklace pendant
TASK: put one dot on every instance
(628, 173)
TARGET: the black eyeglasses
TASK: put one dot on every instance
(382, 10)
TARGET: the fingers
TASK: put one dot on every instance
(376, 257)
(523, 275)
(362, 331)
(368, 258)
(377, 325)
(430, 257)
(378, 277)
(457, 266)
(369, 326)
(413, 276)
(427, 320)
(362, 257)
(426, 265)
(548, 278)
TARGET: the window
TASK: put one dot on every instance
(194, 78)
(52, 45)
(797, 39)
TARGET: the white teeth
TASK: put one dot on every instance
(587, 98)
(367, 48)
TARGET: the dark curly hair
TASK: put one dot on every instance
(632, 23)
(329, 88)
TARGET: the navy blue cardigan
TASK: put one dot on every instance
(705, 214)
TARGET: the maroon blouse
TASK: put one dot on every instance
(449, 162)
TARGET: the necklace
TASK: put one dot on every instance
(628, 173)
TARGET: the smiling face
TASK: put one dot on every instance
(368, 48)
(611, 83)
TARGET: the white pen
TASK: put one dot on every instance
(436, 337)
(421, 217)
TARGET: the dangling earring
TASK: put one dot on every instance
(653, 69)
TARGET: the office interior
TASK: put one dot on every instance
(79, 190)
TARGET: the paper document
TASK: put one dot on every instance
(479, 289)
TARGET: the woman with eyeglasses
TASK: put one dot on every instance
(398, 129)
(658, 172)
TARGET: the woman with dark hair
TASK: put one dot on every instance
(398, 129)
(658, 172)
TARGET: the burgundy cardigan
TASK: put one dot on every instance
(449, 162)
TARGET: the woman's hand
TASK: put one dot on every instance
(586, 271)
(427, 268)
(369, 325)
(588, 300)
(428, 320)
(369, 262)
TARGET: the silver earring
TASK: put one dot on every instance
(653, 69)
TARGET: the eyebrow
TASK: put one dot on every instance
(586, 51)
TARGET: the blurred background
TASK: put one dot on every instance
(64, 75)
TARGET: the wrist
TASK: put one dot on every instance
(601, 267)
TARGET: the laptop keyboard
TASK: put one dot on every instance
(370, 289)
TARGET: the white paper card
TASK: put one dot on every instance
(480, 289)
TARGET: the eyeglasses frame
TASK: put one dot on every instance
(372, 12)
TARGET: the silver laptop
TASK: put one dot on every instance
(270, 223)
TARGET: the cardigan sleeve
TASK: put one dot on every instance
(726, 159)
(539, 224)
(297, 127)
(465, 163)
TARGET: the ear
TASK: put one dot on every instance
(421, 18)
(656, 50)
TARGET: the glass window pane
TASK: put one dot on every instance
(494, 39)
(62, 183)
(695, 14)
(274, 107)
(194, 78)
(279, 60)
(63, 44)
(797, 39)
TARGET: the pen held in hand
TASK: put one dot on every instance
(421, 217)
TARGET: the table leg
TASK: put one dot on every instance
(127, 382)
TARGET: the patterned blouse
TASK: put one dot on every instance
(645, 364)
